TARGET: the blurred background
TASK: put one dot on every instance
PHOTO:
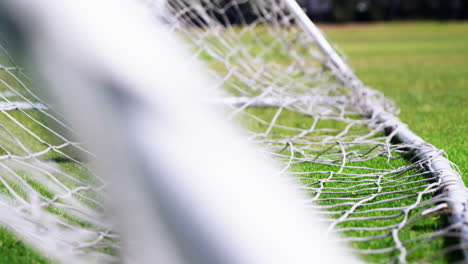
(339, 11)
(384, 10)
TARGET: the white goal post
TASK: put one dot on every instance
(222, 131)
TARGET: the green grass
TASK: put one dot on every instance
(12, 249)
(423, 67)
(395, 185)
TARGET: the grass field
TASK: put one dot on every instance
(423, 67)
(413, 63)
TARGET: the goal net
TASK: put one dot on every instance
(373, 180)
(48, 192)
(385, 192)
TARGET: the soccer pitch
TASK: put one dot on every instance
(423, 67)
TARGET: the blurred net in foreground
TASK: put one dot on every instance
(48, 192)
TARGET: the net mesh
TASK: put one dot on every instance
(48, 192)
(383, 200)
(291, 102)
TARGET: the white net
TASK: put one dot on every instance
(386, 199)
(48, 192)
